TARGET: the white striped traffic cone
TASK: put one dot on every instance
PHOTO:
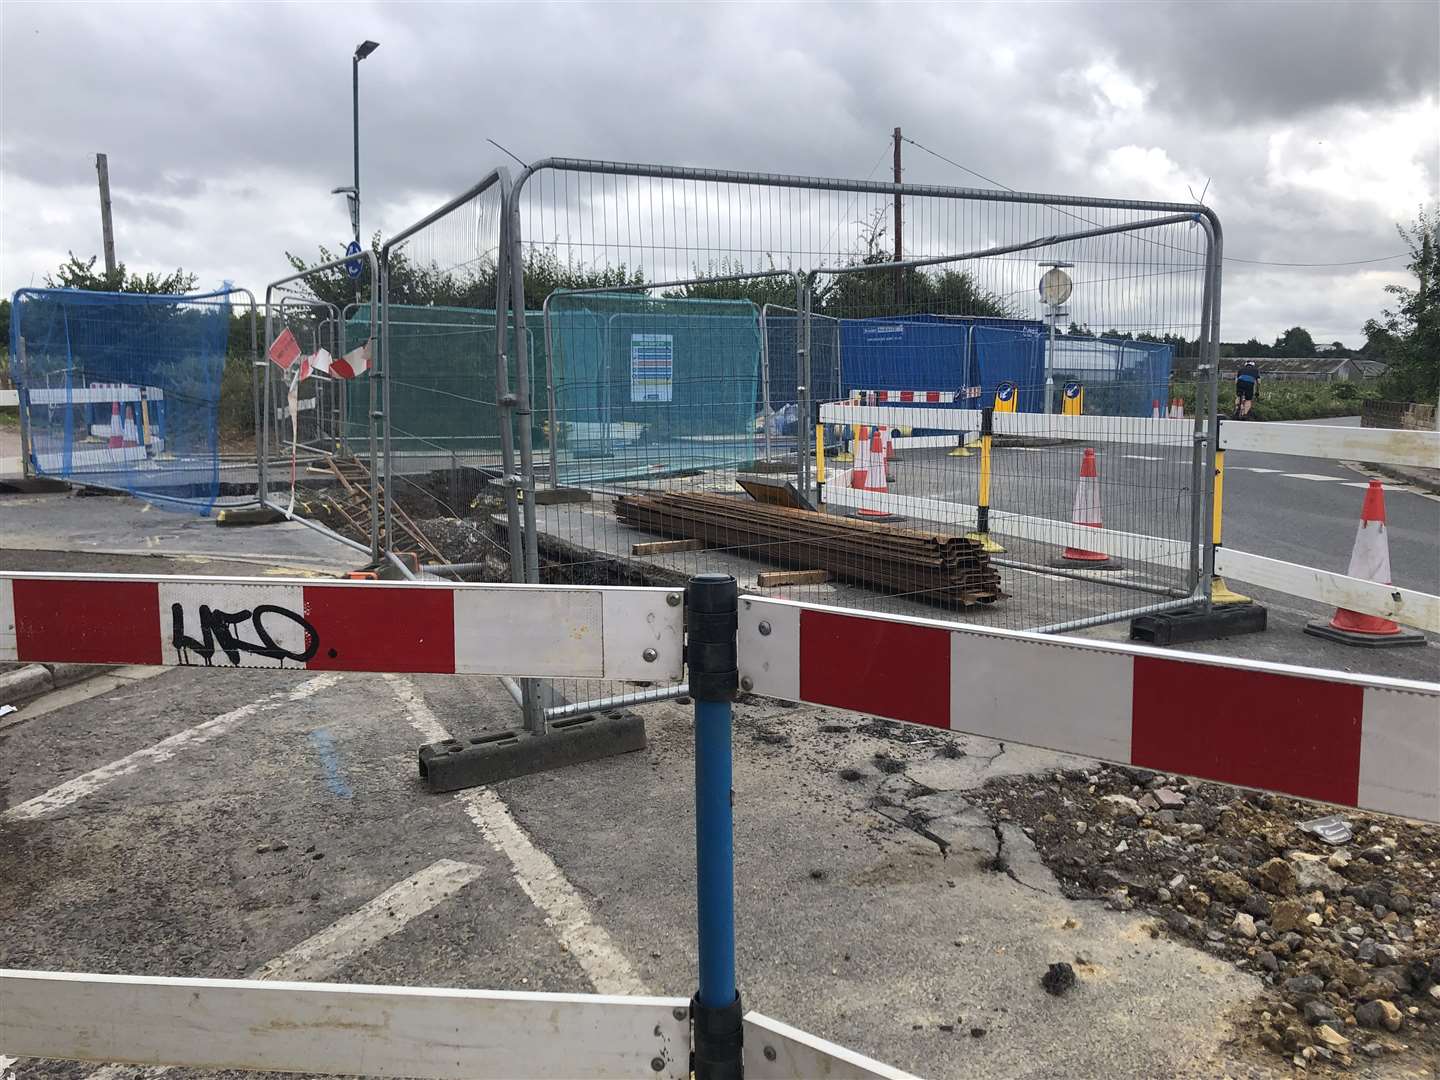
(117, 430)
(130, 436)
(1369, 559)
(1087, 512)
(1154, 408)
(869, 473)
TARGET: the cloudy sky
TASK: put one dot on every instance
(1315, 125)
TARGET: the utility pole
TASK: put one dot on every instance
(899, 231)
(107, 232)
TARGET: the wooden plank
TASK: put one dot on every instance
(1417, 609)
(666, 547)
(772, 578)
(325, 1028)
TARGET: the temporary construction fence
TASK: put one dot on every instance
(1356, 740)
(296, 361)
(122, 390)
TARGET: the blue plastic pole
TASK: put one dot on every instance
(714, 853)
(716, 1012)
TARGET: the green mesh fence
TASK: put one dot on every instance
(442, 379)
(648, 386)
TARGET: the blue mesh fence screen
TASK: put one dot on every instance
(121, 390)
(1120, 377)
(651, 386)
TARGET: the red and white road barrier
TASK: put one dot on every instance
(1355, 740)
(902, 397)
(554, 631)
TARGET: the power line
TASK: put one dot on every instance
(1352, 262)
(1227, 258)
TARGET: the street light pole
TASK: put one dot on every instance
(364, 49)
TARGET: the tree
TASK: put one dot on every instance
(1295, 342)
(78, 273)
(471, 285)
(1407, 336)
(4, 324)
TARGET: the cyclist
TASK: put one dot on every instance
(1247, 387)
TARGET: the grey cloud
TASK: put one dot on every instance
(248, 107)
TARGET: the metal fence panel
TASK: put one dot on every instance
(1145, 290)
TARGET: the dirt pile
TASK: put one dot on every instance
(1346, 938)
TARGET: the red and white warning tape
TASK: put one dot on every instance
(614, 633)
(1357, 740)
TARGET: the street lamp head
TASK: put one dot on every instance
(342, 191)
(365, 48)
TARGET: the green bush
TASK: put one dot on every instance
(237, 399)
(1295, 400)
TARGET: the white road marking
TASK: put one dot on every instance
(72, 791)
(1143, 457)
(418, 713)
(535, 872)
(319, 957)
(1250, 468)
(1312, 476)
(1366, 484)
(552, 893)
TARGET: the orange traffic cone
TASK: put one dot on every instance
(869, 473)
(1087, 513)
(1369, 559)
(130, 436)
(1154, 408)
(117, 431)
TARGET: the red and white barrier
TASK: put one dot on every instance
(902, 397)
(1356, 740)
(572, 631)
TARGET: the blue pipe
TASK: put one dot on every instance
(714, 853)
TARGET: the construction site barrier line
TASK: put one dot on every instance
(1360, 741)
(1417, 609)
(1381, 446)
(1145, 431)
(1135, 546)
(436, 627)
(1356, 740)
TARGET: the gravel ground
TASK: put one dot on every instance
(1345, 938)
